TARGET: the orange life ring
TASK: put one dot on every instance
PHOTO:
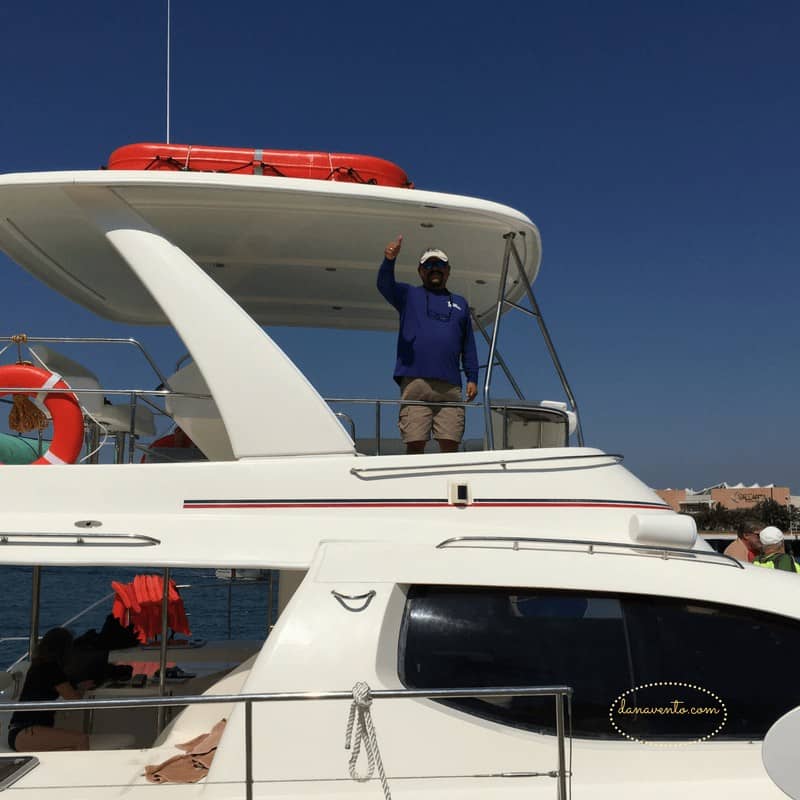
(64, 409)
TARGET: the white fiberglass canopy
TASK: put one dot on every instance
(290, 251)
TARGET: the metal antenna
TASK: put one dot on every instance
(169, 17)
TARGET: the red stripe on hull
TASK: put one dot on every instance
(316, 505)
(570, 505)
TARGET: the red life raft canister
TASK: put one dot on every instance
(64, 409)
(255, 161)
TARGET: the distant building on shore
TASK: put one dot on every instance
(739, 496)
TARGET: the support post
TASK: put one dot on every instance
(548, 341)
(36, 586)
(119, 447)
(162, 669)
(132, 432)
(248, 748)
(231, 579)
(562, 761)
(92, 439)
(270, 601)
(501, 293)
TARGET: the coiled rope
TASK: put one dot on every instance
(364, 730)
(25, 414)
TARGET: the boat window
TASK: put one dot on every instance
(602, 645)
(216, 619)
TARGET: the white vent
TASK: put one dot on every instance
(673, 530)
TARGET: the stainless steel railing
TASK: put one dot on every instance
(28, 340)
(148, 397)
(559, 693)
(592, 547)
(485, 406)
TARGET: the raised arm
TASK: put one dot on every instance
(394, 292)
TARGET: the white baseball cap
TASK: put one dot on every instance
(770, 535)
(433, 253)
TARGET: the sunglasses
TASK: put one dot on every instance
(434, 263)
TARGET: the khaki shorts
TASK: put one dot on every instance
(416, 422)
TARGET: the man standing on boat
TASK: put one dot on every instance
(435, 340)
(773, 551)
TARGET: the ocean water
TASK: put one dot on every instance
(65, 593)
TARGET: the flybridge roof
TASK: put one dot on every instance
(290, 251)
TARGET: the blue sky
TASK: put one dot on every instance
(655, 146)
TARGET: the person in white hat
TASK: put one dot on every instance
(434, 344)
(773, 551)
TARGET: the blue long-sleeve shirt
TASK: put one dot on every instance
(435, 337)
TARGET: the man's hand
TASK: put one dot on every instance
(393, 248)
(472, 391)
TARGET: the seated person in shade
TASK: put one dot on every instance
(178, 438)
(176, 441)
(773, 551)
(34, 731)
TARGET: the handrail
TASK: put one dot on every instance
(209, 699)
(92, 340)
(593, 547)
(488, 462)
(349, 420)
(396, 401)
(135, 396)
(558, 692)
(145, 394)
(184, 358)
(137, 392)
(495, 405)
(81, 539)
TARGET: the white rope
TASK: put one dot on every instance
(359, 709)
(102, 427)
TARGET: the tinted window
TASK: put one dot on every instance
(601, 645)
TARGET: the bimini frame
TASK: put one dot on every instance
(494, 354)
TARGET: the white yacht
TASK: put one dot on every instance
(523, 614)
